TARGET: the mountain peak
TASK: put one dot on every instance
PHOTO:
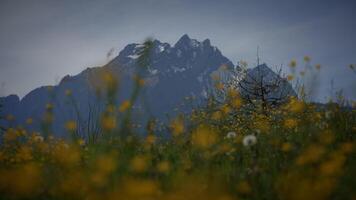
(206, 42)
(185, 37)
(185, 40)
(263, 67)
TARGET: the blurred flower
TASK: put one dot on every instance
(177, 126)
(106, 163)
(311, 154)
(215, 77)
(231, 135)
(49, 106)
(163, 166)
(262, 124)
(108, 123)
(151, 139)
(24, 153)
(29, 121)
(68, 92)
(81, 142)
(109, 79)
(306, 59)
(249, 140)
(204, 136)
(10, 135)
(327, 137)
(140, 81)
(71, 126)
(110, 108)
(66, 155)
(295, 105)
(290, 123)
(317, 66)
(38, 138)
(328, 114)
(124, 106)
(347, 147)
(219, 86)
(139, 163)
(22, 182)
(10, 117)
(286, 147)
(217, 115)
(236, 103)
(293, 63)
(48, 117)
(290, 77)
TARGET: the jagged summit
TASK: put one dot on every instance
(185, 42)
(173, 73)
(179, 58)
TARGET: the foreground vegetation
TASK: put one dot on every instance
(226, 150)
(293, 152)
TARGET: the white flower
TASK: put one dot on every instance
(249, 140)
(38, 138)
(231, 135)
(328, 114)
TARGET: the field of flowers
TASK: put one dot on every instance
(220, 151)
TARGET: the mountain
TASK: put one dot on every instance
(174, 73)
(274, 90)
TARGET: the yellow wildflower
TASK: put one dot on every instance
(317, 66)
(139, 163)
(311, 154)
(219, 86)
(295, 105)
(24, 153)
(204, 136)
(306, 59)
(286, 147)
(49, 106)
(177, 126)
(124, 106)
(150, 139)
(108, 123)
(217, 115)
(106, 163)
(290, 77)
(71, 126)
(290, 123)
(293, 63)
(23, 182)
(29, 121)
(163, 166)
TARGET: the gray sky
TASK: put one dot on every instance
(42, 41)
